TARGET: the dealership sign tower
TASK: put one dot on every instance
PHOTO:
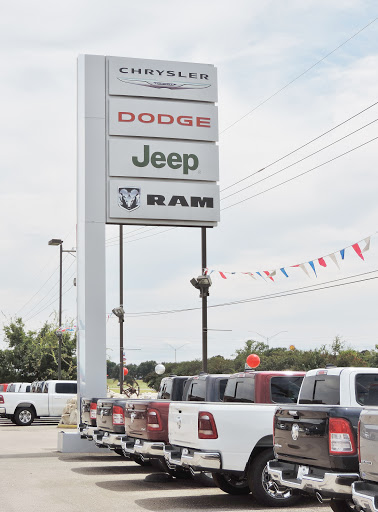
(147, 155)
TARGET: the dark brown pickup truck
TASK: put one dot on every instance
(315, 441)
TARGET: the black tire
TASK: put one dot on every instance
(12, 419)
(266, 491)
(24, 416)
(231, 484)
(342, 506)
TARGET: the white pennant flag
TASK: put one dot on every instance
(273, 273)
(303, 267)
(334, 259)
(250, 274)
(367, 246)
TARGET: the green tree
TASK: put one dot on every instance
(33, 355)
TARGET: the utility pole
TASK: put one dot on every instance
(121, 321)
(204, 303)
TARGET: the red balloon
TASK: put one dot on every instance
(253, 360)
(125, 372)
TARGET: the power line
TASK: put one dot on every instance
(148, 236)
(36, 293)
(263, 297)
(300, 147)
(299, 175)
(50, 304)
(296, 78)
(51, 289)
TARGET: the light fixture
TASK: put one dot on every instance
(202, 283)
(55, 241)
(120, 313)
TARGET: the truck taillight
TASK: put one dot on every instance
(1, 399)
(341, 439)
(206, 426)
(118, 416)
(93, 411)
(153, 420)
(358, 441)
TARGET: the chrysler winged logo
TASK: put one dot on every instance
(129, 198)
(178, 421)
(132, 417)
(295, 431)
(163, 85)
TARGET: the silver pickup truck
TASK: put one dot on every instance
(365, 491)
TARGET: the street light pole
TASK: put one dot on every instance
(267, 338)
(121, 306)
(57, 241)
(177, 348)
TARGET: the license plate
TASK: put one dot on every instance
(302, 471)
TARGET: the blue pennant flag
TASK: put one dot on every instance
(311, 263)
(284, 272)
(258, 273)
(342, 252)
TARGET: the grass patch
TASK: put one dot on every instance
(144, 388)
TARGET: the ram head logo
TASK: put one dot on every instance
(129, 198)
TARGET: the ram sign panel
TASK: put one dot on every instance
(144, 201)
(155, 158)
(161, 79)
(163, 119)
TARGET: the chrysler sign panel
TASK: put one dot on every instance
(161, 79)
(152, 158)
(139, 200)
(163, 119)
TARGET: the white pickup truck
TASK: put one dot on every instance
(23, 408)
(233, 440)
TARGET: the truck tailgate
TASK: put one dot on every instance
(302, 435)
(183, 422)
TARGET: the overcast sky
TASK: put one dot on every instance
(258, 48)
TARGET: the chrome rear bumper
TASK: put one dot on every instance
(324, 483)
(112, 440)
(365, 496)
(195, 459)
(143, 447)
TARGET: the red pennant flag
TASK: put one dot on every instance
(356, 247)
(322, 262)
(222, 275)
(268, 274)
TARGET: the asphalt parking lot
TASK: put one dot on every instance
(37, 478)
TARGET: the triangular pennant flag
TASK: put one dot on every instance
(303, 267)
(258, 273)
(334, 259)
(268, 274)
(311, 263)
(222, 275)
(205, 271)
(284, 272)
(295, 266)
(249, 274)
(322, 262)
(342, 252)
(367, 246)
(273, 273)
(357, 248)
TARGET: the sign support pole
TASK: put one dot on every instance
(121, 320)
(204, 304)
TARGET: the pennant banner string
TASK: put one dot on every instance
(359, 248)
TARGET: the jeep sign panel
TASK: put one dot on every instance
(152, 158)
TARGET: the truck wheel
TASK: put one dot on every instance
(24, 416)
(231, 484)
(342, 506)
(266, 491)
